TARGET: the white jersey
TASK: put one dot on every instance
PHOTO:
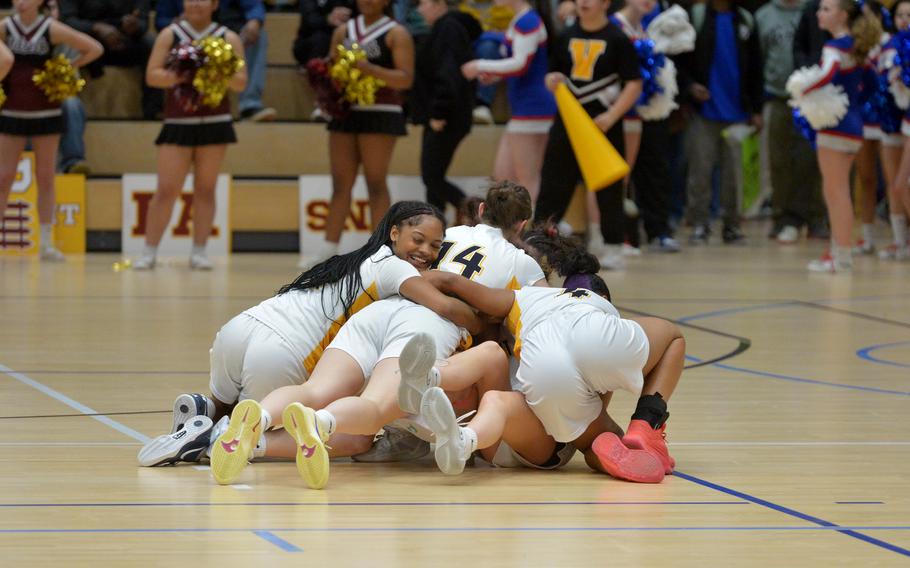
(482, 254)
(308, 320)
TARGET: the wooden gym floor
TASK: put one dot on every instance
(793, 449)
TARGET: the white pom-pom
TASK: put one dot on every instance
(660, 105)
(898, 89)
(671, 31)
(824, 107)
(802, 79)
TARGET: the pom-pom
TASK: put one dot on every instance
(671, 31)
(878, 105)
(58, 80)
(899, 91)
(823, 107)
(329, 97)
(803, 126)
(901, 44)
(663, 102)
(2, 97)
(204, 69)
(356, 86)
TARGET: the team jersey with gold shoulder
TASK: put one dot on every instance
(573, 347)
(308, 320)
(482, 254)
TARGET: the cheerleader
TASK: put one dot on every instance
(898, 186)
(521, 146)
(27, 113)
(368, 134)
(881, 136)
(600, 66)
(855, 33)
(194, 139)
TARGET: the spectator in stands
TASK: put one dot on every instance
(318, 20)
(120, 26)
(494, 19)
(442, 98)
(246, 18)
(795, 179)
(724, 78)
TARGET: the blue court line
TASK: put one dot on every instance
(864, 353)
(811, 528)
(371, 504)
(76, 405)
(801, 379)
(848, 531)
(277, 541)
(859, 502)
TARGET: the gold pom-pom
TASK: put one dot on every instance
(358, 87)
(58, 80)
(221, 63)
(2, 97)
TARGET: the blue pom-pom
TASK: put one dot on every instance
(803, 126)
(650, 64)
(901, 43)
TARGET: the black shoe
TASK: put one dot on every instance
(733, 236)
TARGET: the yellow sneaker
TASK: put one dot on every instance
(233, 449)
(312, 457)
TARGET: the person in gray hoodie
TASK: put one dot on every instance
(795, 178)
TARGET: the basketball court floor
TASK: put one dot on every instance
(789, 429)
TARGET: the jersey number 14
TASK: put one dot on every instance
(470, 258)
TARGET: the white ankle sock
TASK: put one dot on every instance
(434, 378)
(47, 238)
(259, 450)
(150, 251)
(899, 228)
(843, 256)
(325, 422)
(868, 237)
(198, 249)
(266, 420)
(470, 441)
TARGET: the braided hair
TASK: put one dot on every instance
(346, 267)
(567, 256)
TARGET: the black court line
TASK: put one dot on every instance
(744, 342)
(852, 313)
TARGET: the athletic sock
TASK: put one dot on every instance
(265, 419)
(325, 423)
(899, 228)
(868, 237)
(150, 251)
(434, 378)
(470, 441)
(652, 408)
(197, 250)
(259, 450)
(47, 239)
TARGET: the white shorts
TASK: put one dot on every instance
(248, 360)
(381, 330)
(839, 143)
(529, 126)
(507, 457)
(631, 125)
(566, 366)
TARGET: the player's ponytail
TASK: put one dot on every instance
(865, 26)
(506, 205)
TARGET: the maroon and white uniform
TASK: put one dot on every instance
(203, 125)
(27, 110)
(386, 116)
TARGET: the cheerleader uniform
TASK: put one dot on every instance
(205, 125)
(386, 115)
(840, 68)
(525, 67)
(883, 64)
(27, 111)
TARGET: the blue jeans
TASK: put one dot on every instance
(487, 47)
(251, 97)
(72, 142)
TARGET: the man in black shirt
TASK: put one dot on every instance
(599, 65)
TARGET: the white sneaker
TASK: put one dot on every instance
(318, 116)
(788, 235)
(200, 262)
(612, 258)
(144, 262)
(864, 248)
(629, 250)
(630, 208)
(51, 254)
(595, 239)
(417, 371)
(482, 115)
(452, 450)
(827, 264)
(189, 405)
(190, 444)
(894, 252)
(218, 429)
(565, 229)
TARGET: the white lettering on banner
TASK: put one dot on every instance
(23, 175)
(69, 211)
(137, 192)
(316, 193)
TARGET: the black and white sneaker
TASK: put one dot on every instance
(191, 405)
(187, 445)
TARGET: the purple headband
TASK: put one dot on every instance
(578, 281)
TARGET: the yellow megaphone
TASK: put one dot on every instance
(600, 163)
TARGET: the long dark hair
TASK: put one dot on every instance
(346, 267)
(568, 256)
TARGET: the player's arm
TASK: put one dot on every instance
(494, 302)
(421, 291)
(6, 60)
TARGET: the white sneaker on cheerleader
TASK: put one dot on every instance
(453, 448)
(894, 252)
(188, 445)
(51, 254)
(417, 371)
(200, 261)
(144, 262)
(827, 263)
